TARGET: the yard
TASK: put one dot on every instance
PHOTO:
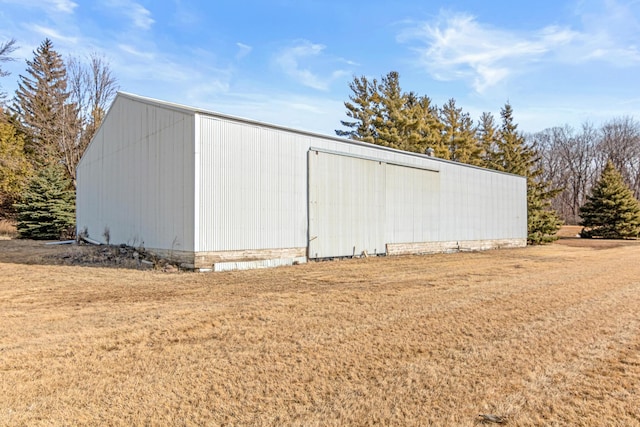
(539, 336)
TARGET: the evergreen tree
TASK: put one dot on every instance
(361, 109)
(424, 123)
(512, 154)
(47, 207)
(385, 115)
(391, 122)
(42, 105)
(611, 211)
(458, 137)
(487, 135)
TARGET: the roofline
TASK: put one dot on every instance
(196, 110)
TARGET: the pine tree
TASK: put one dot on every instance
(423, 124)
(390, 122)
(42, 105)
(458, 137)
(512, 154)
(611, 211)
(385, 115)
(47, 207)
(361, 109)
(487, 135)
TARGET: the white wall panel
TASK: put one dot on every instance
(346, 205)
(136, 178)
(252, 187)
(412, 204)
(478, 204)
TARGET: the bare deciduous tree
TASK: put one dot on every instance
(620, 143)
(6, 49)
(92, 86)
(573, 160)
(61, 105)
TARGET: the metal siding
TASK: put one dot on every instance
(252, 187)
(140, 175)
(412, 204)
(481, 205)
(253, 194)
(136, 178)
(346, 205)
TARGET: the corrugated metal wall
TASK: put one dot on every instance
(136, 179)
(413, 204)
(346, 205)
(477, 204)
(182, 179)
(254, 183)
(253, 191)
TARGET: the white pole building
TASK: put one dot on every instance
(221, 192)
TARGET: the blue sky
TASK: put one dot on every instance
(289, 62)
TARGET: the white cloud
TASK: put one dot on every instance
(138, 14)
(243, 50)
(610, 32)
(52, 34)
(314, 114)
(131, 50)
(290, 59)
(64, 6)
(456, 46)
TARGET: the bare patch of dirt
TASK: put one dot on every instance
(25, 251)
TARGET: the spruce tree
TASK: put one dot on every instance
(512, 154)
(42, 105)
(47, 207)
(611, 210)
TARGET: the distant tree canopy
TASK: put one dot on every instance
(574, 159)
(611, 210)
(381, 113)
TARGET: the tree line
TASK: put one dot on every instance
(574, 159)
(44, 130)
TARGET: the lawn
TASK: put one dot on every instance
(540, 336)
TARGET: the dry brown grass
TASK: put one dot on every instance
(8, 229)
(543, 335)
